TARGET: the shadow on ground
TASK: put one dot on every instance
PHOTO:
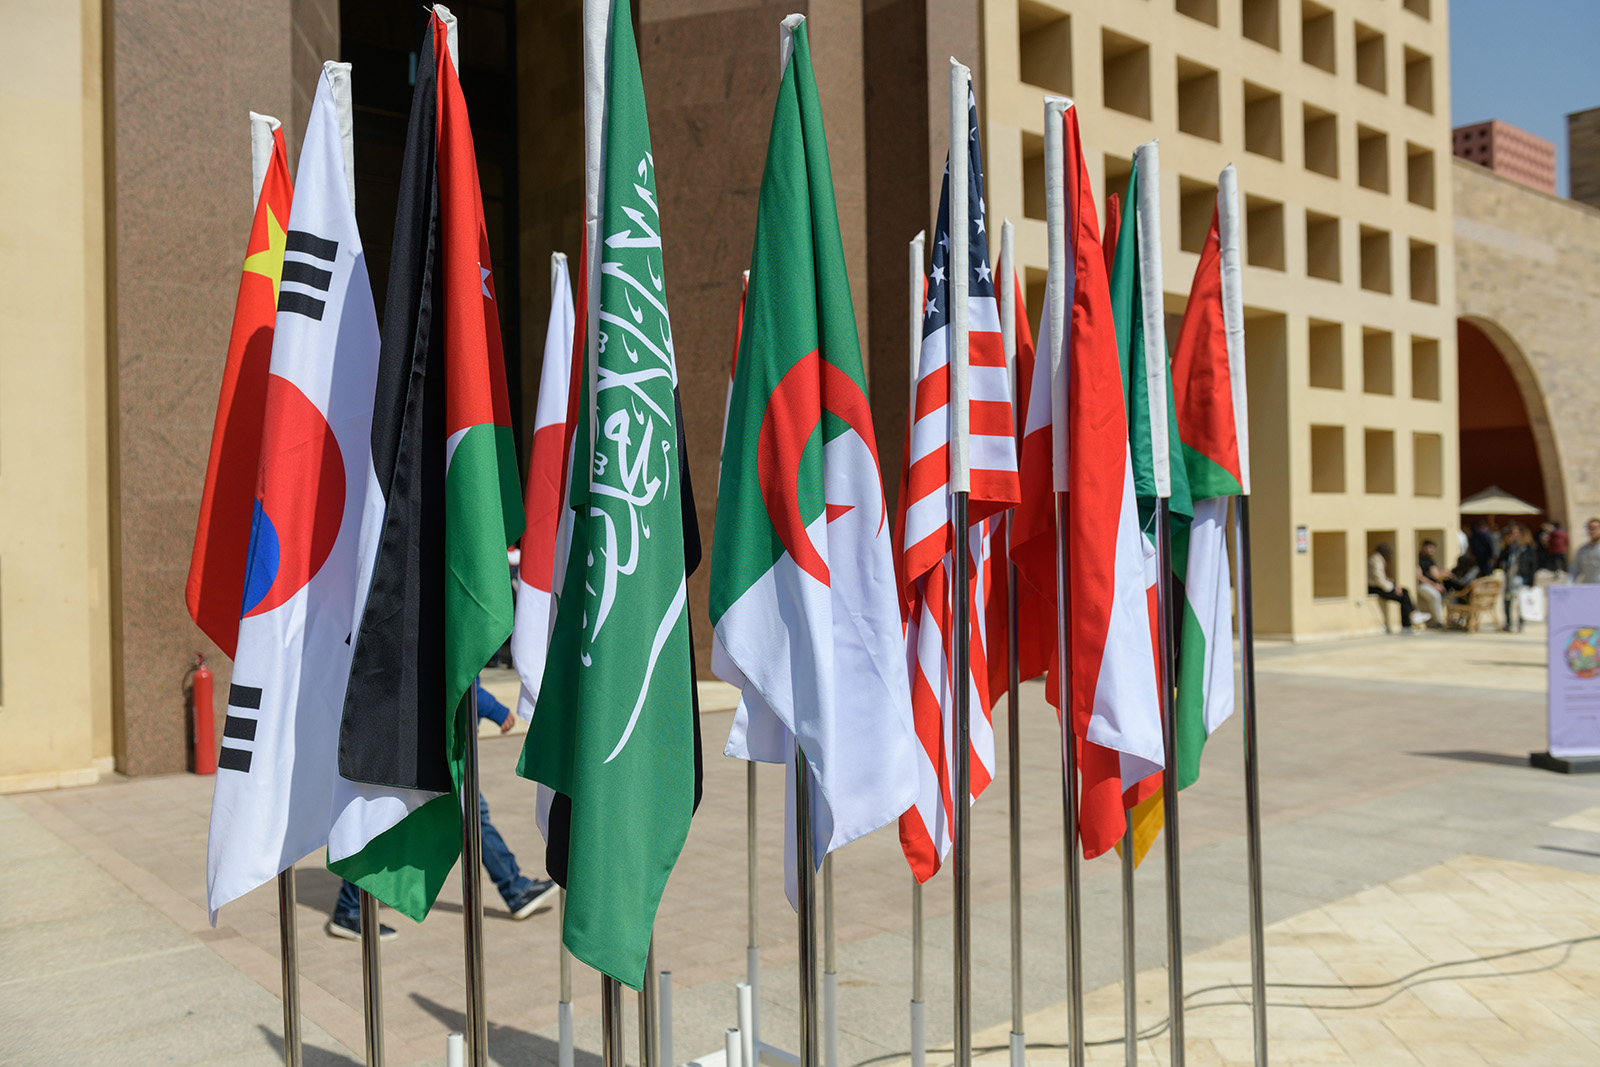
(1500, 759)
(507, 1044)
(311, 1055)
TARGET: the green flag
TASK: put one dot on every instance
(610, 730)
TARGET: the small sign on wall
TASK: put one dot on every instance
(1302, 540)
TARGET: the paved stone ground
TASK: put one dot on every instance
(1381, 759)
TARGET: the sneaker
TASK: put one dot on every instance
(536, 897)
(1420, 618)
(350, 929)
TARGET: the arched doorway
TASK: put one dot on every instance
(1505, 430)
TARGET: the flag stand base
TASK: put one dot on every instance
(1564, 764)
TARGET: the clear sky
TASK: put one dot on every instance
(1526, 62)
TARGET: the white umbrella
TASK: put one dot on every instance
(1496, 501)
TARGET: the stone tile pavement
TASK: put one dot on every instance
(1377, 764)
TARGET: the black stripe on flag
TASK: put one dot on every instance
(300, 304)
(312, 245)
(306, 274)
(233, 759)
(239, 727)
(244, 696)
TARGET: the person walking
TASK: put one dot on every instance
(1586, 561)
(522, 895)
(1516, 560)
(1379, 566)
(1557, 548)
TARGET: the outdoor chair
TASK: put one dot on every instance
(1469, 607)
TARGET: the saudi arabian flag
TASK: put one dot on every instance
(803, 596)
(610, 729)
(1208, 384)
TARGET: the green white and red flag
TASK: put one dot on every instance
(444, 503)
(803, 596)
(1209, 390)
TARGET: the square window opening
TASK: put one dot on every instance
(1377, 272)
(1427, 454)
(1327, 459)
(1424, 272)
(1424, 368)
(1419, 80)
(1322, 247)
(1261, 22)
(1378, 446)
(1371, 68)
(1330, 569)
(1263, 121)
(1325, 347)
(1125, 67)
(1263, 228)
(1419, 175)
(1377, 362)
(1044, 45)
(1372, 159)
(1199, 100)
(1321, 141)
(1197, 202)
(1316, 36)
(1033, 198)
(1199, 10)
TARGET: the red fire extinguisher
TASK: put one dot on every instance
(205, 728)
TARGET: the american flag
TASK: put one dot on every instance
(927, 540)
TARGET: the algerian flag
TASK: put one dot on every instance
(611, 730)
(802, 570)
(1208, 386)
(275, 772)
(444, 504)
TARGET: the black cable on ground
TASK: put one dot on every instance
(1405, 982)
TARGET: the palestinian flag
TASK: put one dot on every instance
(613, 731)
(1208, 389)
(803, 597)
(443, 506)
(215, 590)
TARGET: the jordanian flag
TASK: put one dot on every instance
(1208, 386)
(802, 572)
(611, 731)
(443, 505)
(215, 590)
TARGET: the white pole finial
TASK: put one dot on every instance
(1061, 284)
(786, 30)
(1233, 312)
(450, 36)
(1006, 282)
(959, 264)
(338, 75)
(262, 127)
(917, 301)
(1152, 303)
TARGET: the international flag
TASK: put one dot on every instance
(215, 590)
(803, 598)
(546, 533)
(444, 506)
(1112, 689)
(613, 729)
(927, 541)
(1209, 394)
(273, 798)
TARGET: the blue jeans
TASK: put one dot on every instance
(497, 860)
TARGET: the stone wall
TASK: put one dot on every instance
(1528, 275)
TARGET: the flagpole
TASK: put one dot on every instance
(752, 950)
(1147, 219)
(1130, 965)
(289, 957)
(613, 1051)
(960, 485)
(1233, 329)
(830, 976)
(805, 899)
(472, 890)
(564, 1007)
(1055, 108)
(919, 1035)
(1008, 340)
(372, 978)
(649, 1035)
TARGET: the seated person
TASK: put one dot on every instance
(1430, 582)
(1380, 585)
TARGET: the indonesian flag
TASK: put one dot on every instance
(803, 596)
(541, 565)
(276, 771)
(1209, 390)
(929, 544)
(1113, 694)
(215, 590)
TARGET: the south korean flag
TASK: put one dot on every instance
(275, 773)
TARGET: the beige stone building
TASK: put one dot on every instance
(1336, 117)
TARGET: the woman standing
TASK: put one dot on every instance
(1517, 561)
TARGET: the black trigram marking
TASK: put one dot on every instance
(239, 727)
(303, 273)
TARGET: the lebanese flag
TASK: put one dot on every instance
(1208, 389)
(541, 565)
(1113, 694)
(215, 590)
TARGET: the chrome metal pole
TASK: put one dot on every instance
(806, 894)
(372, 978)
(564, 1008)
(649, 1034)
(289, 955)
(1169, 782)
(472, 891)
(1130, 963)
(830, 973)
(961, 788)
(613, 1050)
(752, 951)
(919, 1031)
(1252, 779)
(1006, 283)
(1076, 1049)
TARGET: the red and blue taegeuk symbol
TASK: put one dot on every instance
(299, 499)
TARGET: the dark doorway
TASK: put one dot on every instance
(1497, 442)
